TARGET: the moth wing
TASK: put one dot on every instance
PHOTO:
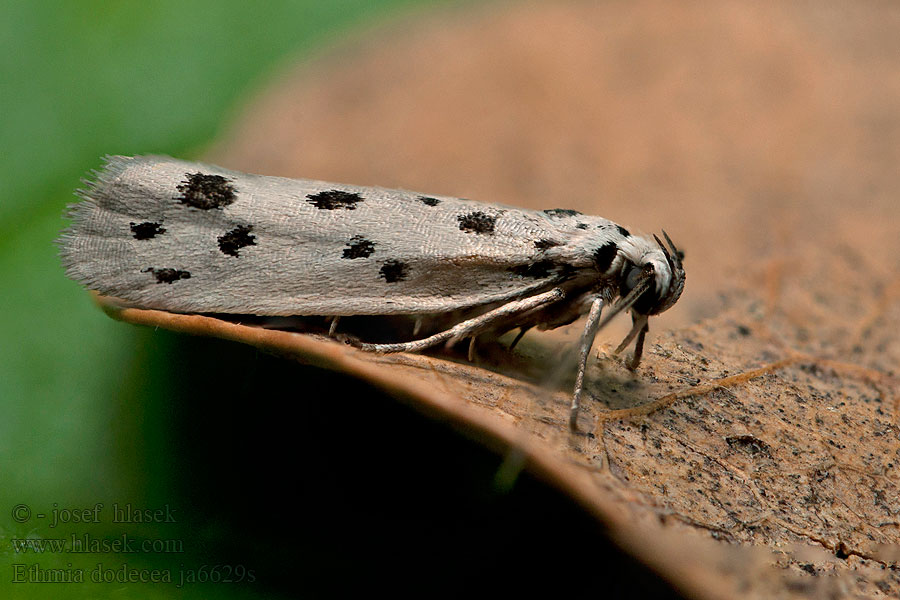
(187, 237)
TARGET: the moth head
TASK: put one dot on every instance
(655, 273)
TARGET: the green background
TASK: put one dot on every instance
(81, 80)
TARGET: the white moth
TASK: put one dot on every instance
(192, 238)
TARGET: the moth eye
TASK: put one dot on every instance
(648, 300)
(632, 278)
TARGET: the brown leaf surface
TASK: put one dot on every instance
(756, 451)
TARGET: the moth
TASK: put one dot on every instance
(187, 237)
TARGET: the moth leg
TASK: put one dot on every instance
(518, 337)
(471, 354)
(640, 327)
(638, 347)
(587, 340)
(467, 328)
(333, 326)
(417, 326)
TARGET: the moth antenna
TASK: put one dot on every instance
(663, 248)
(675, 251)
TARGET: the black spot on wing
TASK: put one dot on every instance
(358, 247)
(237, 238)
(477, 222)
(167, 275)
(561, 212)
(394, 271)
(543, 244)
(538, 269)
(334, 199)
(146, 230)
(624, 232)
(429, 201)
(206, 191)
(581, 226)
(604, 256)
